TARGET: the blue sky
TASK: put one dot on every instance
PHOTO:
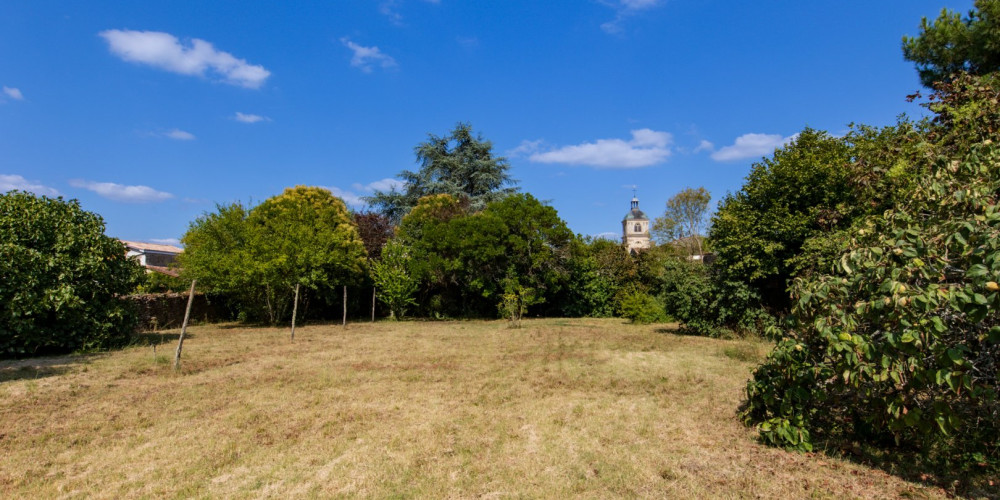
(150, 113)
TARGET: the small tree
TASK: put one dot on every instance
(392, 276)
(61, 279)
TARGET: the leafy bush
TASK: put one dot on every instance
(902, 344)
(393, 279)
(707, 306)
(63, 279)
(642, 308)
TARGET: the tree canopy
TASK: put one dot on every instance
(952, 44)
(459, 164)
(303, 236)
(786, 199)
(900, 343)
(62, 279)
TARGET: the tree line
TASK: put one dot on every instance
(870, 259)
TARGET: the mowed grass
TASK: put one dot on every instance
(560, 408)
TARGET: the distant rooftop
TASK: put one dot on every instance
(152, 247)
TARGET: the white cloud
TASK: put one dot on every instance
(751, 146)
(387, 184)
(365, 58)
(11, 182)
(165, 51)
(625, 9)
(526, 148)
(178, 134)
(350, 198)
(704, 146)
(354, 196)
(608, 236)
(647, 147)
(120, 192)
(250, 118)
(13, 93)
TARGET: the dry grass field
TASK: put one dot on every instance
(560, 408)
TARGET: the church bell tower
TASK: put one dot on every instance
(635, 229)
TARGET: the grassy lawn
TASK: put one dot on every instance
(560, 408)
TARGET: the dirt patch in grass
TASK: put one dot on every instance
(559, 408)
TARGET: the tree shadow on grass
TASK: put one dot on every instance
(35, 368)
(906, 463)
(677, 329)
(911, 465)
(150, 338)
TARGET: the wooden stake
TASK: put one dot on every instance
(295, 309)
(184, 327)
(373, 304)
(345, 306)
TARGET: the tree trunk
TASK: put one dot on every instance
(184, 327)
(295, 309)
(345, 306)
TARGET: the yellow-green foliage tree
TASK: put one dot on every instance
(303, 236)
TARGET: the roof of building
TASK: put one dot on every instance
(635, 213)
(152, 247)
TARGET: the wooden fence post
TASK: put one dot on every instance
(373, 304)
(295, 309)
(184, 327)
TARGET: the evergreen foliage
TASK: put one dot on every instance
(953, 45)
(459, 164)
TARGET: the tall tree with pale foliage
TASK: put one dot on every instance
(684, 220)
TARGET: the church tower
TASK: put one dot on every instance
(635, 228)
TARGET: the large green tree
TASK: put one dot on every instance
(61, 279)
(460, 164)
(786, 199)
(900, 344)
(466, 261)
(303, 236)
(953, 44)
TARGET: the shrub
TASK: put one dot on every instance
(706, 306)
(902, 344)
(63, 279)
(642, 308)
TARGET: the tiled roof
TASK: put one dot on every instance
(138, 245)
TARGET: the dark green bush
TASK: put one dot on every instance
(707, 306)
(62, 279)
(902, 344)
